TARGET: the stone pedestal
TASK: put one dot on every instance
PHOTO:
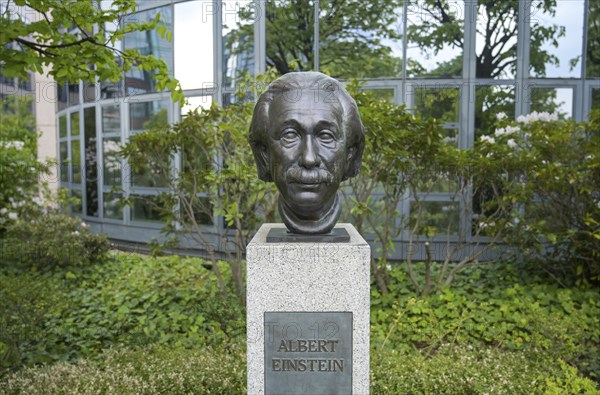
(308, 306)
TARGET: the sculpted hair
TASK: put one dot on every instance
(287, 87)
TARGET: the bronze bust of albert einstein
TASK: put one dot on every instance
(307, 137)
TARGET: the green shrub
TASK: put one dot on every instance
(464, 370)
(150, 370)
(53, 240)
(498, 305)
(26, 300)
(133, 300)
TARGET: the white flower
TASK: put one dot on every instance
(488, 139)
(537, 116)
(500, 115)
(84, 225)
(511, 143)
(499, 132)
(13, 144)
(3, 210)
(512, 129)
(75, 233)
(13, 216)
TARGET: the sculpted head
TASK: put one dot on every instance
(307, 137)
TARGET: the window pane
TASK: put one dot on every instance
(145, 208)
(76, 207)
(238, 39)
(551, 100)
(75, 123)
(196, 103)
(354, 42)
(596, 99)
(289, 28)
(435, 34)
(112, 161)
(438, 103)
(112, 207)
(73, 94)
(147, 115)
(382, 94)
(76, 161)
(193, 44)
(91, 161)
(496, 40)
(62, 126)
(111, 119)
(489, 102)
(89, 92)
(61, 96)
(437, 218)
(64, 162)
(148, 43)
(592, 64)
(556, 38)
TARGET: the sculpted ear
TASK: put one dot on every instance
(261, 157)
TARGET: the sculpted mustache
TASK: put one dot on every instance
(317, 176)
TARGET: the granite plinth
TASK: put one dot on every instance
(300, 298)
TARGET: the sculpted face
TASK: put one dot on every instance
(307, 151)
(307, 137)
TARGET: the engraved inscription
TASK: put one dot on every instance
(308, 352)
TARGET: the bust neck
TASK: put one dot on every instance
(320, 225)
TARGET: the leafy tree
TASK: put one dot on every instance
(76, 40)
(593, 40)
(352, 37)
(217, 179)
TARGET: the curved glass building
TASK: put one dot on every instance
(463, 62)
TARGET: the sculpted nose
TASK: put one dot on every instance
(310, 155)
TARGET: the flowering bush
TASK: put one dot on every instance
(20, 186)
(548, 175)
(50, 240)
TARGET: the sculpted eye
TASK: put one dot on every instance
(326, 136)
(289, 136)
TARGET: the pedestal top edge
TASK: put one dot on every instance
(261, 235)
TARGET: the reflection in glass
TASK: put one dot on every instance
(354, 43)
(238, 39)
(436, 218)
(496, 39)
(89, 92)
(112, 206)
(75, 208)
(61, 97)
(596, 99)
(76, 161)
(552, 100)
(557, 33)
(592, 64)
(145, 208)
(438, 103)
(193, 44)
(62, 126)
(91, 161)
(435, 34)
(73, 92)
(147, 115)
(111, 119)
(75, 123)
(64, 161)
(112, 161)
(491, 102)
(148, 43)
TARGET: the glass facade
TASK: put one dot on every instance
(463, 62)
